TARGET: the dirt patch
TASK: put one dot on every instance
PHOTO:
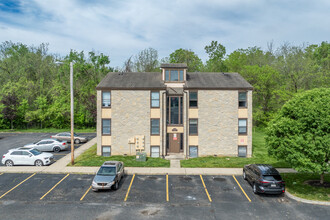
(316, 183)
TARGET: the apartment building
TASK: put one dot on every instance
(174, 112)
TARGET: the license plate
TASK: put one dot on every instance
(273, 185)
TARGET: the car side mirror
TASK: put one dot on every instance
(30, 155)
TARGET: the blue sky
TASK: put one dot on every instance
(120, 29)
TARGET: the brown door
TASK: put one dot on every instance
(175, 140)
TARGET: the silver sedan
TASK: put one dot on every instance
(49, 145)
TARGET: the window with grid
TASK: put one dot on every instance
(242, 126)
(193, 126)
(174, 75)
(193, 102)
(155, 99)
(242, 151)
(106, 126)
(154, 126)
(106, 99)
(106, 151)
(242, 99)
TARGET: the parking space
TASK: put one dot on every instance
(15, 140)
(173, 189)
(187, 190)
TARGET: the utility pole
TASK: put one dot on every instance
(72, 113)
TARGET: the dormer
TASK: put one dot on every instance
(174, 72)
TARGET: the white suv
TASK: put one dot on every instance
(27, 156)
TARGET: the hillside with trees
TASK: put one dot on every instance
(34, 88)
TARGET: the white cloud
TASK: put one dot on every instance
(123, 28)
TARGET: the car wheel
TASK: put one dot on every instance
(115, 187)
(244, 175)
(77, 141)
(255, 188)
(9, 163)
(39, 163)
(57, 149)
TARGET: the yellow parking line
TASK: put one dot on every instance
(167, 197)
(54, 186)
(241, 189)
(207, 193)
(85, 193)
(1, 174)
(129, 188)
(17, 185)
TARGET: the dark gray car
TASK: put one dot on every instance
(108, 176)
(49, 145)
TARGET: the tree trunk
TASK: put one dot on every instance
(322, 178)
(12, 124)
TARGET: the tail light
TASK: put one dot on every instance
(64, 143)
(3, 156)
(263, 181)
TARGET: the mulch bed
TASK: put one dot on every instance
(316, 183)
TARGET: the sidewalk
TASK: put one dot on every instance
(61, 167)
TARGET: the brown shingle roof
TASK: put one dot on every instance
(117, 80)
(153, 80)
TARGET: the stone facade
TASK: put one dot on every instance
(130, 117)
(217, 122)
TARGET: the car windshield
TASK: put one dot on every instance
(35, 152)
(107, 171)
(272, 178)
(36, 142)
(75, 135)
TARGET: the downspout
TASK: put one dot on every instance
(187, 124)
(164, 124)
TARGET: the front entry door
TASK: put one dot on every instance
(174, 141)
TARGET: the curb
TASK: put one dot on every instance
(306, 200)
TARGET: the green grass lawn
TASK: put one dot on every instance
(49, 130)
(259, 155)
(295, 185)
(89, 158)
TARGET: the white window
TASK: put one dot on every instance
(242, 126)
(242, 151)
(193, 151)
(154, 151)
(106, 151)
(106, 99)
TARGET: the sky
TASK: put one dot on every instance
(120, 29)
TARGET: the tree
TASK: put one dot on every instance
(216, 53)
(187, 56)
(300, 133)
(146, 61)
(9, 111)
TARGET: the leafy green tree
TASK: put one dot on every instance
(194, 63)
(216, 53)
(267, 94)
(10, 107)
(300, 133)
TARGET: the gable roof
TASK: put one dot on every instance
(213, 80)
(119, 80)
(153, 80)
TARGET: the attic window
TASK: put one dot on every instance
(174, 75)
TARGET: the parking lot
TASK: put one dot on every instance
(15, 140)
(213, 196)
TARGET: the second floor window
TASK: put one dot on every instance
(155, 126)
(193, 99)
(193, 126)
(106, 99)
(174, 109)
(174, 75)
(155, 99)
(106, 126)
(242, 99)
(242, 126)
